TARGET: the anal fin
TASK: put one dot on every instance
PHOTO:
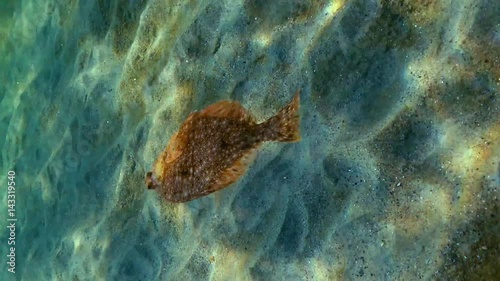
(235, 171)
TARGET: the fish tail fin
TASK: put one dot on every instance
(284, 126)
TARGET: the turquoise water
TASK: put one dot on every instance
(397, 175)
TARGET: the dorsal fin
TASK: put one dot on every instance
(179, 139)
(228, 109)
(174, 148)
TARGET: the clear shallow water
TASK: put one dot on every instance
(396, 177)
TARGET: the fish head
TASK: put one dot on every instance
(151, 181)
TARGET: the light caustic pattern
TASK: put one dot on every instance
(397, 166)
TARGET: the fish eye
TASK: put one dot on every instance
(150, 181)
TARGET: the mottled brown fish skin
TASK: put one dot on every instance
(214, 147)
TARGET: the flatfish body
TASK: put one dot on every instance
(214, 147)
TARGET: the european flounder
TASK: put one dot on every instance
(214, 147)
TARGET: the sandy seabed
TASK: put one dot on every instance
(397, 176)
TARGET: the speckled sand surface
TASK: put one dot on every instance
(396, 178)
